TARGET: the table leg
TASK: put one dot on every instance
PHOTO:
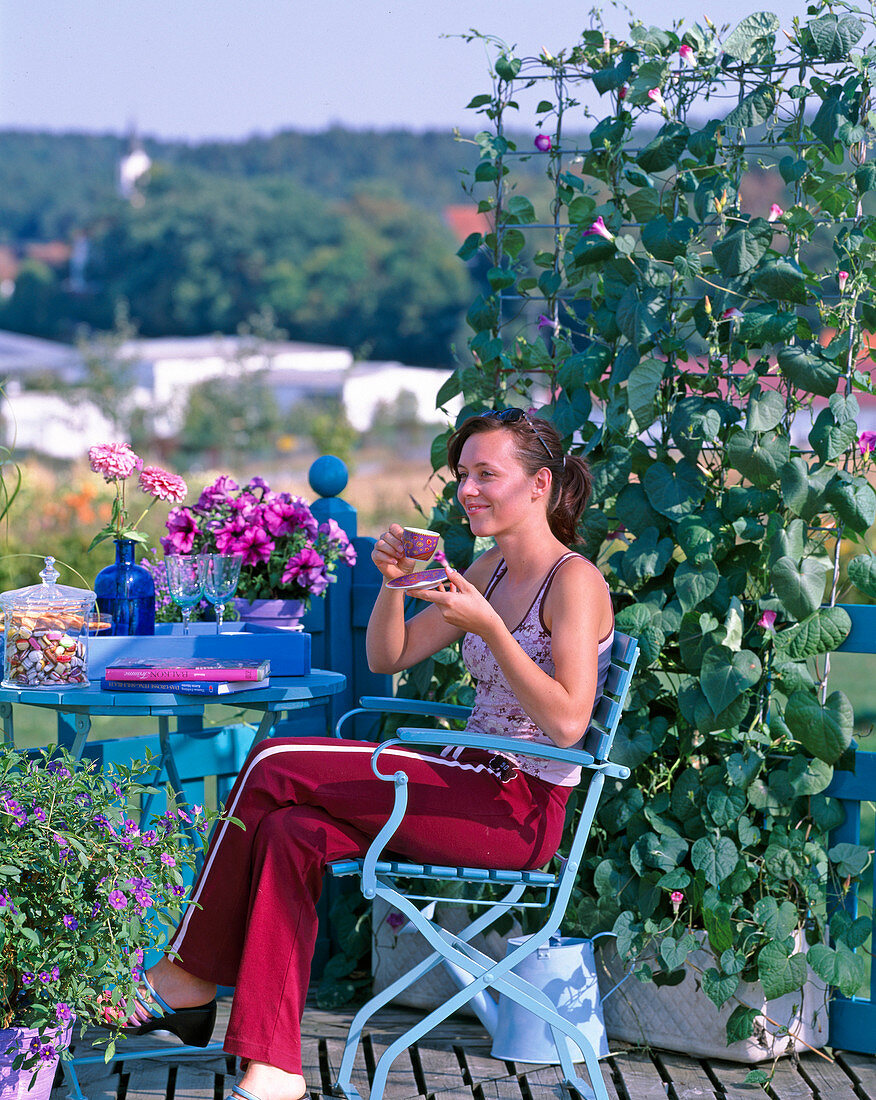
(6, 719)
(267, 723)
(81, 724)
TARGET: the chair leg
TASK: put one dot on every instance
(71, 1080)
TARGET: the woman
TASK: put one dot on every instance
(536, 623)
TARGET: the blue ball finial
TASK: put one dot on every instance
(328, 476)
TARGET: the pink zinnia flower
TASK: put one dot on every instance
(163, 485)
(867, 442)
(732, 315)
(687, 55)
(543, 143)
(599, 229)
(775, 212)
(116, 461)
(843, 278)
(656, 97)
(767, 620)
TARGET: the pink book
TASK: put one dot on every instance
(194, 668)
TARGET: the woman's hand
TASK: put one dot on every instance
(462, 605)
(388, 554)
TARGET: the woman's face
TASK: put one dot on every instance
(494, 490)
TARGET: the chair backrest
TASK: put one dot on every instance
(607, 712)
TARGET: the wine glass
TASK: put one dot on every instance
(221, 574)
(185, 582)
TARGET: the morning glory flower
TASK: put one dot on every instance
(843, 278)
(732, 315)
(656, 97)
(775, 212)
(599, 229)
(543, 143)
(687, 55)
(867, 442)
(767, 620)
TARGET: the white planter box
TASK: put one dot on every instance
(682, 1017)
(394, 952)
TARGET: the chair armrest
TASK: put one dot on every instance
(511, 745)
(389, 704)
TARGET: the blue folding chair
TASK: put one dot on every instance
(379, 874)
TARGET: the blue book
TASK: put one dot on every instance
(185, 687)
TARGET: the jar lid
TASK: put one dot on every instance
(49, 596)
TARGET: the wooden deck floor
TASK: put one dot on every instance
(454, 1063)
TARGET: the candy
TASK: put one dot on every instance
(41, 651)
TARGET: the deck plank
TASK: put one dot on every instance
(194, 1083)
(546, 1083)
(827, 1080)
(146, 1081)
(689, 1080)
(731, 1076)
(787, 1084)
(861, 1068)
(640, 1076)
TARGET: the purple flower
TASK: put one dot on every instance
(62, 1011)
(253, 544)
(543, 143)
(544, 322)
(45, 976)
(216, 494)
(57, 769)
(182, 528)
(39, 813)
(767, 620)
(70, 921)
(732, 315)
(59, 840)
(285, 516)
(867, 442)
(56, 973)
(178, 891)
(100, 820)
(259, 483)
(83, 799)
(168, 860)
(26, 977)
(395, 920)
(306, 568)
(149, 838)
(348, 554)
(599, 229)
(117, 899)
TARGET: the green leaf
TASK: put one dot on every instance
(808, 371)
(759, 456)
(694, 583)
(674, 492)
(741, 41)
(666, 239)
(764, 323)
(834, 36)
(727, 675)
(665, 149)
(765, 411)
(825, 731)
(673, 952)
(820, 633)
(696, 539)
(716, 857)
(829, 440)
(479, 101)
(507, 68)
(839, 967)
(808, 777)
(853, 933)
(611, 473)
(850, 859)
(642, 387)
(450, 387)
(781, 279)
(719, 987)
(469, 247)
(792, 170)
(695, 420)
(646, 558)
(740, 1026)
(758, 105)
(521, 209)
(831, 114)
(640, 313)
(725, 804)
(778, 973)
(804, 490)
(799, 587)
(862, 574)
(853, 499)
(633, 505)
(778, 921)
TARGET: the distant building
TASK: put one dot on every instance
(133, 168)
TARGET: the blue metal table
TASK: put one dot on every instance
(76, 707)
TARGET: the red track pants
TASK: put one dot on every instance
(306, 803)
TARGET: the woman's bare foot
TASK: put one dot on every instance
(269, 1083)
(175, 986)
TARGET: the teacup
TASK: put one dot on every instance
(419, 544)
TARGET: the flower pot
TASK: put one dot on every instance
(277, 614)
(126, 591)
(15, 1083)
(683, 1018)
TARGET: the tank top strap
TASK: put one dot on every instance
(545, 588)
(498, 573)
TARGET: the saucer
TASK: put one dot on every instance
(428, 578)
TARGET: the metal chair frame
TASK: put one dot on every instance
(379, 873)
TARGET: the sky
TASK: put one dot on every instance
(196, 69)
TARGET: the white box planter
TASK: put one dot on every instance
(681, 1017)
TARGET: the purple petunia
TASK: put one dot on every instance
(307, 568)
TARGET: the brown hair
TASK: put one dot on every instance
(538, 445)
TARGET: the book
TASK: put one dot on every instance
(191, 668)
(186, 687)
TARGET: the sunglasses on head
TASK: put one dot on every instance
(514, 416)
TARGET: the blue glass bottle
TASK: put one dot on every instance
(126, 591)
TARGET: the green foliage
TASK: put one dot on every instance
(683, 346)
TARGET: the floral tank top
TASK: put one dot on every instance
(496, 710)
